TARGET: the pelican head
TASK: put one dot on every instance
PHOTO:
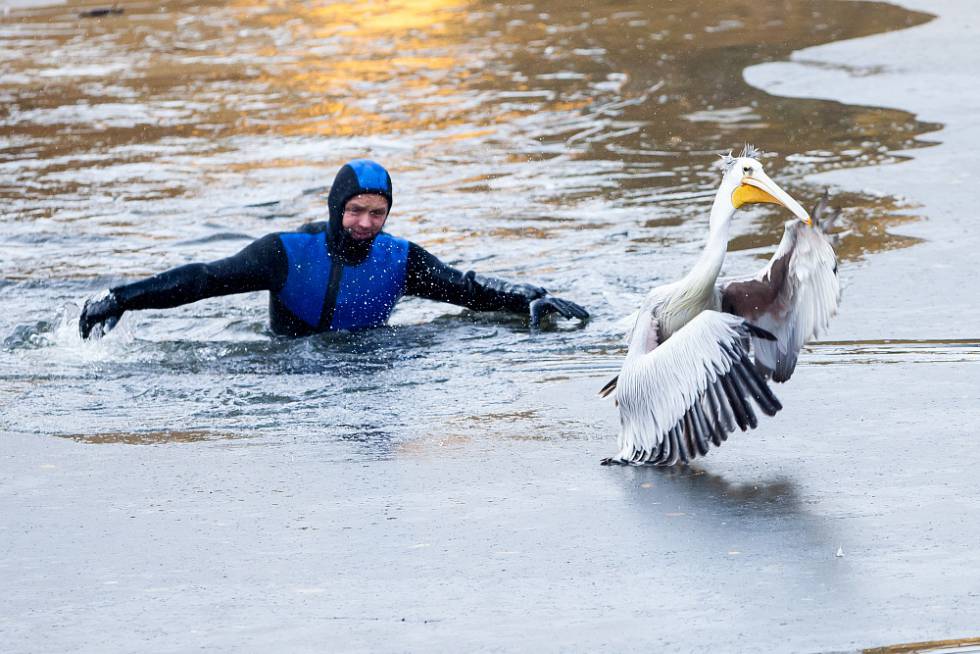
(745, 182)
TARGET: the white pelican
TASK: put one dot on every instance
(687, 379)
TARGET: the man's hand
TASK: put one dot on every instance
(100, 314)
(548, 305)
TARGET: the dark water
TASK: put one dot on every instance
(568, 144)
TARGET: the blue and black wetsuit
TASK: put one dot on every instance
(320, 279)
(314, 290)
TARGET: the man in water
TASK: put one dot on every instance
(342, 274)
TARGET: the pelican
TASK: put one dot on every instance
(687, 379)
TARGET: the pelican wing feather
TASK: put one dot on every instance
(690, 392)
(645, 324)
(793, 297)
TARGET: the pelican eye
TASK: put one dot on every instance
(747, 170)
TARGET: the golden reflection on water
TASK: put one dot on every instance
(457, 433)
(406, 46)
(434, 446)
(627, 104)
(864, 228)
(318, 68)
(950, 646)
(152, 437)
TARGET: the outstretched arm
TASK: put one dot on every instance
(430, 278)
(261, 266)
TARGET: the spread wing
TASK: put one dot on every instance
(648, 332)
(793, 297)
(644, 334)
(688, 393)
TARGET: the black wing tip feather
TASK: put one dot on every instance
(756, 386)
(609, 387)
(823, 215)
(781, 376)
(759, 332)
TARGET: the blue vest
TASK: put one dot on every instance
(367, 292)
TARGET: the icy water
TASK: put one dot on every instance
(193, 482)
(565, 144)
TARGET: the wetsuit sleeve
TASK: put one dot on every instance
(261, 266)
(432, 279)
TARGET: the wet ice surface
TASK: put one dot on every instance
(455, 542)
(435, 485)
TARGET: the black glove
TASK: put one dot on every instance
(101, 313)
(547, 305)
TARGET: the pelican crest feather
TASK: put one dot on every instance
(749, 151)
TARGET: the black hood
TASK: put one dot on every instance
(354, 178)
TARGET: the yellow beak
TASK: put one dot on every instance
(758, 188)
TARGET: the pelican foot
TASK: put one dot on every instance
(612, 461)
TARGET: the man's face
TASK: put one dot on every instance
(364, 215)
